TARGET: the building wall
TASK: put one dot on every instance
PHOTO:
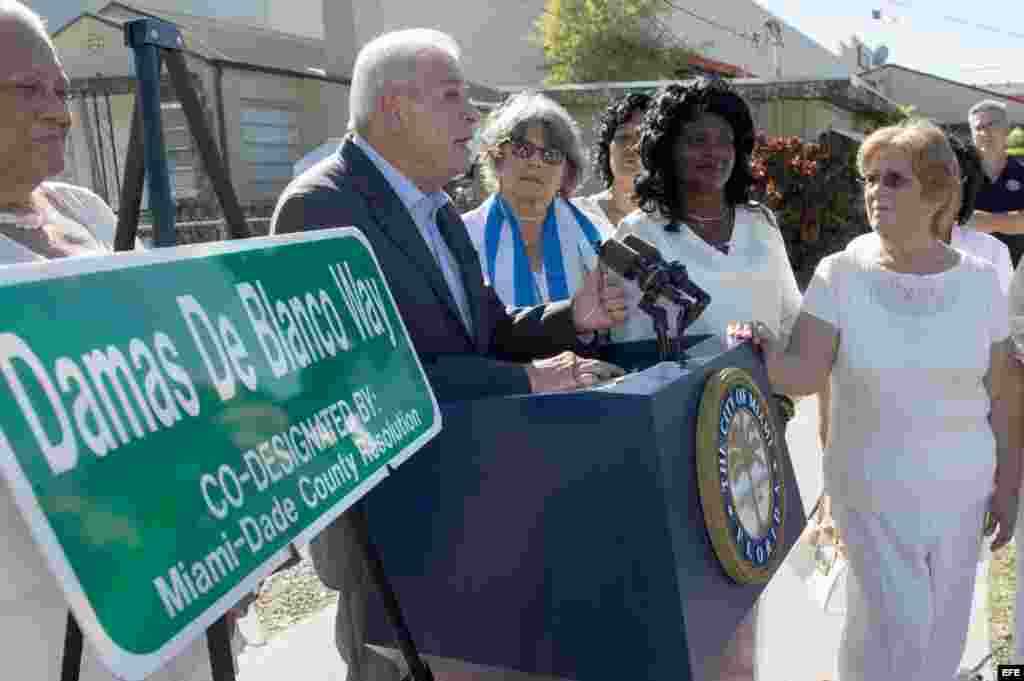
(945, 102)
(498, 51)
(799, 56)
(494, 35)
(298, 17)
(803, 118)
(270, 120)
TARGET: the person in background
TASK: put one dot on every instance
(899, 313)
(43, 220)
(617, 157)
(535, 243)
(1000, 202)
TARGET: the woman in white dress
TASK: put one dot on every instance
(617, 157)
(40, 221)
(921, 441)
(535, 244)
(695, 147)
(960, 236)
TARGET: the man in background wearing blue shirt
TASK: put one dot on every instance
(1000, 203)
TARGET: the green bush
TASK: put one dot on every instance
(1015, 151)
(1016, 139)
(814, 192)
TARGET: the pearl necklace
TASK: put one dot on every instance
(717, 218)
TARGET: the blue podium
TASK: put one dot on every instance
(564, 534)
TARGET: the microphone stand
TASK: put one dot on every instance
(670, 280)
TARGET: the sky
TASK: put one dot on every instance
(969, 42)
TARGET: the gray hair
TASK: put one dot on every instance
(28, 18)
(513, 119)
(389, 61)
(992, 105)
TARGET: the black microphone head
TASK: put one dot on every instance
(620, 258)
(645, 248)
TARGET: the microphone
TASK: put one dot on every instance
(643, 248)
(637, 259)
(621, 259)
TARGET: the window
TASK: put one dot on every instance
(270, 145)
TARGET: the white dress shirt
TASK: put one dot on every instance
(423, 209)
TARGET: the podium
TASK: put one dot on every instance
(563, 534)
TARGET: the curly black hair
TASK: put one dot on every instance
(971, 172)
(613, 118)
(658, 187)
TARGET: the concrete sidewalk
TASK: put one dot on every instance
(305, 651)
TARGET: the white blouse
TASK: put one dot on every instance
(986, 247)
(753, 281)
(910, 432)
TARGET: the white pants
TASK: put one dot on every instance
(910, 599)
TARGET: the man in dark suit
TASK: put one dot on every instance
(412, 125)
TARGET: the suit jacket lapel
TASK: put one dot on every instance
(396, 222)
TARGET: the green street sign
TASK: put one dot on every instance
(171, 420)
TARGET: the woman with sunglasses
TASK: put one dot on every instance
(924, 424)
(535, 244)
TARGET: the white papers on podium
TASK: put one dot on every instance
(647, 381)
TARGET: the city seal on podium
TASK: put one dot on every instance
(740, 476)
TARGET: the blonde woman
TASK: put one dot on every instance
(921, 442)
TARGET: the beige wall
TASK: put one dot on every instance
(803, 118)
(942, 101)
(340, 47)
(494, 35)
(498, 51)
(304, 98)
(301, 97)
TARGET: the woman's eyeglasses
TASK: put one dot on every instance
(889, 179)
(525, 149)
(34, 93)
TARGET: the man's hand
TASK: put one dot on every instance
(568, 371)
(598, 304)
(1002, 511)
(1004, 223)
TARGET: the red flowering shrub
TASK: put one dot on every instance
(813, 190)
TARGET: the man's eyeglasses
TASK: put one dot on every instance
(37, 92)
(525, 149)
(889, 179)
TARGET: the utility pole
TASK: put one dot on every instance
(774, 30)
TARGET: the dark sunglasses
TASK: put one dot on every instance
(890, 180)
(525, 149)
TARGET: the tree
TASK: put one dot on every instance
(589, 41)
(1016, 138)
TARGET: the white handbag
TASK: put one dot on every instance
(822, 557)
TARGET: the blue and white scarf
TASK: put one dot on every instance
(570, 244)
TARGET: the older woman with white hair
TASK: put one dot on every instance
(924, 428)
(534, 242)
(41, 220)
